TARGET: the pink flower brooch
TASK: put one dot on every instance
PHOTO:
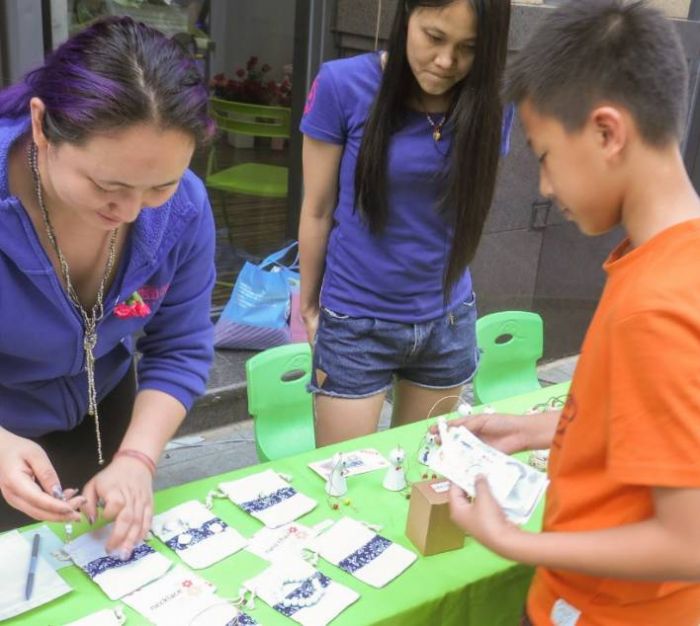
(133, 306)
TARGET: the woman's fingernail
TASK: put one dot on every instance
(56, 491)
(123, 554)
(91, 519)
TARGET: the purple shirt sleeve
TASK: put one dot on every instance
(177, 346)
(324, 118)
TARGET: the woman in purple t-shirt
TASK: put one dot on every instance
(400, 156)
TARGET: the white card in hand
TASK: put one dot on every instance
(462, 456)
(15, 552)
(115, 577)
(269, 498)
(359, 551)
(198, 537)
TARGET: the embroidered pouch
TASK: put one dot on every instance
(105, 617)
(196, 534)
(181, 598)
(299, 591)
(286, 541)
(269, 498)
(114, 576)
(359, 551)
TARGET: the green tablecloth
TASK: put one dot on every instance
(467, 587)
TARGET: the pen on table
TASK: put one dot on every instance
(29, 587)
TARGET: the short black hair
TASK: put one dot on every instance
(590, 51)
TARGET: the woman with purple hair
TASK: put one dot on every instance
(104, 233)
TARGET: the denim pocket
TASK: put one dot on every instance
(470, 302)
(333, 315)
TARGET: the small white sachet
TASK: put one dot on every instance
(286, 541)
(15, 553)
(114, 576)
(198, 537)
(105, 617)
(181, 598)
(269, 498)
(302, 593)
(359, 551)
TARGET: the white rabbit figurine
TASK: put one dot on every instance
(395, 479)
(337, 485)
(429, 446)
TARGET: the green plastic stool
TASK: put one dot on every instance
(281, 407)
(511, 344)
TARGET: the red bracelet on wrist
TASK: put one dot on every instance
(139, 456)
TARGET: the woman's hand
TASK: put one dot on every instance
(310, 319)
(27, 478)
(125, 487)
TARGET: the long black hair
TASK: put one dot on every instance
(476, 114)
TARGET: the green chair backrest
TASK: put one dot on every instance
(250, 119)
(511, 343)
(281, 407)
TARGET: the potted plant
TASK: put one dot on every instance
(250, 85)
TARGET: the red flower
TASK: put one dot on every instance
(122, 311)
(141, 309)
(134, 306)
(249, 85)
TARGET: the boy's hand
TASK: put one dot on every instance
(481, 516)
(504, 432)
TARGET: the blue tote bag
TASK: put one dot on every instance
(257, 314)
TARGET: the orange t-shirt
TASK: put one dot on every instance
(632, 422)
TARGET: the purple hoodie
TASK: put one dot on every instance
(169, 260)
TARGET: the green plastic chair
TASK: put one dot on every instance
(511, 343)
(253, 179)
(281, 407)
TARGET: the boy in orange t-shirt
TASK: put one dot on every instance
(602, 90)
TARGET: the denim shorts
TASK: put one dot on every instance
(358, 357)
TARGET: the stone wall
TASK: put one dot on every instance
(672, 8)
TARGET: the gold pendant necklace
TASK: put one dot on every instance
(90, 320)
(436, 126)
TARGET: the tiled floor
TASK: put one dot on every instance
(224, 449)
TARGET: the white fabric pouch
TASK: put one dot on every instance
(284, 542)
(105, 617)
(269, 498)
(114, 576)
(359, 551)
(302, 593)
(181, 598)
(198, 537)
